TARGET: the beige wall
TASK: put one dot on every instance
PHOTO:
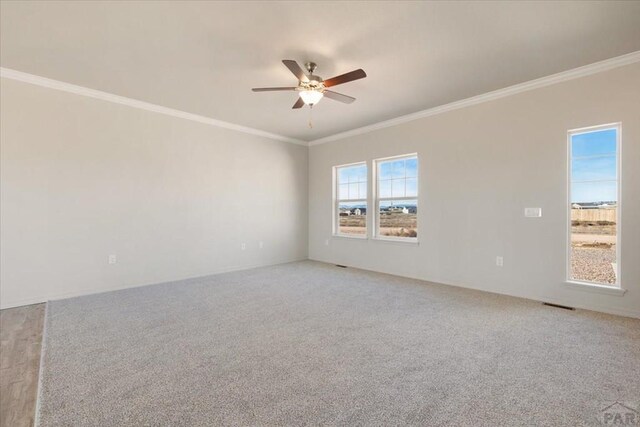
(83, 178)
(480, 167)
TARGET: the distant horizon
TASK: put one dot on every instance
(353, 205)
(598, 202)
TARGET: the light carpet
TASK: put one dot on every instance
(308, 343)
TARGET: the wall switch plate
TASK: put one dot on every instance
(261, 245)
(243, 246)
(533, 212)
(326, 242)
(112, 259)
(499, 261)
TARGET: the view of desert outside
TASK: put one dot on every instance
(397, 190)
(594, 205)
(396, 220)
(352, 199)
(353, 218)
(397, 187)
(399, 218)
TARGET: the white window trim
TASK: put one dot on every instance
(337, 201)
(595, 288)
(399, 240)
(615, 289)
(376, 200)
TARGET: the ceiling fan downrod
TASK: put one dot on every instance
(311, 67)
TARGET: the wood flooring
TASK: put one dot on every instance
(20, 343)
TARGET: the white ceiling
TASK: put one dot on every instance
(204, 57)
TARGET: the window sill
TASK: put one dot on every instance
(592, 287)
(349, 236)
(414, 242)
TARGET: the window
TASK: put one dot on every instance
(397, 198)
(594, 202)
(350, 210)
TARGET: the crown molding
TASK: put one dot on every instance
(575, 73)
(142, 105)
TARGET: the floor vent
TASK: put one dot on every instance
(341, 266)
(558, 306)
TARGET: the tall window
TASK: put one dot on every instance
(594, 202)
(350, 208)
(397, 198)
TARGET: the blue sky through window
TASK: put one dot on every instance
(398, 178)
(593, 167)
(352, 182)
(357, 173)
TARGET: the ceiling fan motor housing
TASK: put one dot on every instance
(312, 88)
(314, 83)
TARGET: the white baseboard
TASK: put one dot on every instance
(539, 298)
(38, 299)
(542, 298)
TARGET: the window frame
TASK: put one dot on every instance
(583, 283)
(337, 201)
(377, 199)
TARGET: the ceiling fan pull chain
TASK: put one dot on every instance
(311, 116)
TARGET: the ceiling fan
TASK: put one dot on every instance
(311, 88)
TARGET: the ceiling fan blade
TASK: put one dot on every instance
(271, 89)
(299, 103)
(295, 69)
(344, 78)
(339, 97)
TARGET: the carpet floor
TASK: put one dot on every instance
(308, 343)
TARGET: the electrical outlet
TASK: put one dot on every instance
(112, 259)
(261, 245)
(243, 246)
(499, 261)
(326, 242)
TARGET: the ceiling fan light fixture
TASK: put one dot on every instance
(311, 97)
(311, 88)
